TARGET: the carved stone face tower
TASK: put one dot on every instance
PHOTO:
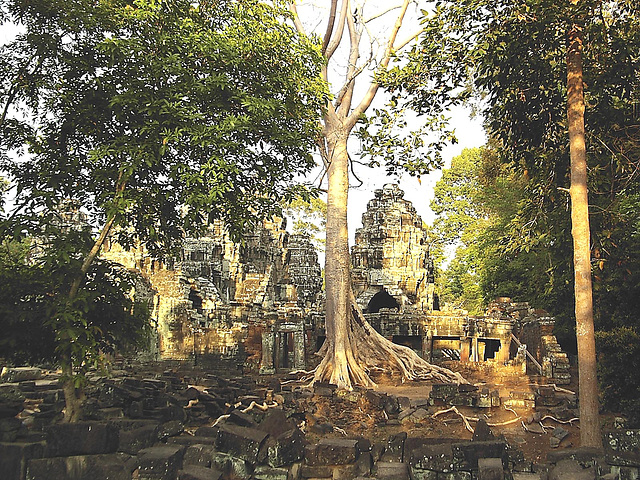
(391, 264)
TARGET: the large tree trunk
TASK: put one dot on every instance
(589, 420)
(352, 345)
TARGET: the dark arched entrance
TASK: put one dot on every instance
(382, 299)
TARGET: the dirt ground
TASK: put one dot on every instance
(358, 418)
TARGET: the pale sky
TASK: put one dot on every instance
(470, 134)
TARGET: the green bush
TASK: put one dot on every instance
(619, 372)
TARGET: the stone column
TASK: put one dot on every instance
(427, 342)
(268, 344)
(505, 346)
(298, 350)
(465, 349)
(475, 357)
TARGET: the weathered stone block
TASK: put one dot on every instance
(391, 406)
(14, 458)
(241, 442)
(571, 469)
(324, 389)
(332, 451)
(207, 432)
(20, 374)
(622, 447)
(482, 432)
(443, 391)
(364, 464)
(275, 423)
(286, 449)
(340, 472)
(82, 438)
(134, 435)
(455, 476)
(490, 469)
(270, 473)
(624, 473)
(231, 466)
(404, 403)
(10, 409)
(438, 458)
(241, 419)
(116, 466)
(526, 476)
(392, 471)
(198, 455)
(170, 429)
(394, 451)
(160, 463)
(519, 403)
(376, 399)
(9, 428)
(586, 456)
(467, 454)
(404, 415)
(463, 400)
(193, 472)
(187, 440)
(316, 471)
(417, 474)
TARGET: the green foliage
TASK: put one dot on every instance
(619, 371)
(202, 111)
(476, 201)
(309, 217)
(103, 319)
(510, 57)
(384, 140)
(152, 118)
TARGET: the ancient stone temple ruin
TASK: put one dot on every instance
(393, 279)
(390, 258)
(259, 303)
(222, 299)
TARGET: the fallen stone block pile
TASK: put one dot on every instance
(194, 425)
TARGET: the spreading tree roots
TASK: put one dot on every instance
(347, 360)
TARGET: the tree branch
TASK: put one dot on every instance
(373, 88)
(354, 53)
(332, 21)
(383, 13)
(333, 45)
(296, 18)
(408, 40)
(91, 256)
(340, 95)
(13, 91)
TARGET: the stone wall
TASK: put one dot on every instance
(391, 253)
(218, 294)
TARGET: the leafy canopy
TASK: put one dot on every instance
(163, 115)
(153, 118)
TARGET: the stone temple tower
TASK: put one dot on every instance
(391, 264)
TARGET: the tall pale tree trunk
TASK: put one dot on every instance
(589, 420)
(339, 365)
(352, 346)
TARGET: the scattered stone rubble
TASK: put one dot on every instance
(180, 422)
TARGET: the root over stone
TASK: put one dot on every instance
(349, 357)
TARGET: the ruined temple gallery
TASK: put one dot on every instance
(260, 304)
